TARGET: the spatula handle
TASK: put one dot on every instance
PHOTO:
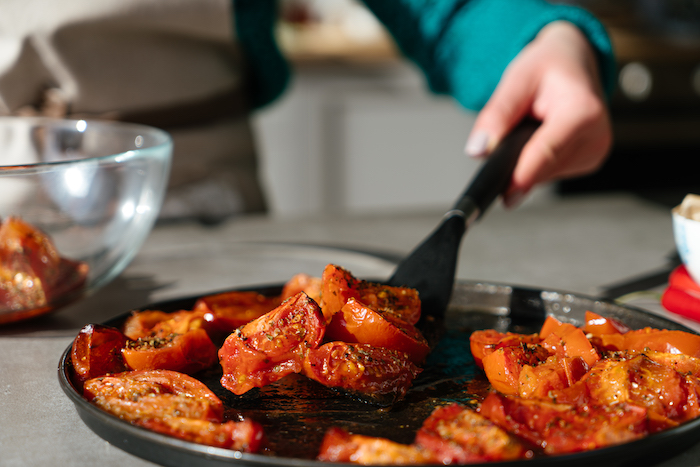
(494, 175)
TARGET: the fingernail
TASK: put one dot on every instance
(514, 199)
(477, 144)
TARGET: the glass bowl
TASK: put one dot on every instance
(77, 200)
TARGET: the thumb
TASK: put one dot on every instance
(508, 105)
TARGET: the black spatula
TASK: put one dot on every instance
(431, 267)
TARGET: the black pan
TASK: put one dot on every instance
(295, 412)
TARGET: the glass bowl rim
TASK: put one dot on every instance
(162, 142)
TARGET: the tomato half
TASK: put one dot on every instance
(97, 351)
(340, 446)
(310, 285)
(563, 428)
(227, 311)
(134, 395)
(503, 366)
(271, 346)
(338, 286)
(458, 435)
(381, 374)
(188, 353)
(245, 435)
(358, 323)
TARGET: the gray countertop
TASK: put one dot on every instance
(577, 244)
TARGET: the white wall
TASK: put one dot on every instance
(362, 139)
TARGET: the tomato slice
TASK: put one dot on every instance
(97, 351)
(245, 435)
(338, 286)
(340, 446)
(271, 346)
(358, 323)
(188, 353)
(458, 435)
(134, 395)
(381, 374)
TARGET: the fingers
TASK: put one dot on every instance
(508, 105)
(567, 144)
(555, 80)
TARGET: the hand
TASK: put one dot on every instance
(554, 79)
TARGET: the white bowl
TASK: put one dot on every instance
(686, 233)
(94, 188)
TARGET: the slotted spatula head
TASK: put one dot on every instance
(431, 267)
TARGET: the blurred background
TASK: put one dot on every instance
(361, 128)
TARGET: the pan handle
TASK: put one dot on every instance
(495, 173)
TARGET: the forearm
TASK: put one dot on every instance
(463, 47)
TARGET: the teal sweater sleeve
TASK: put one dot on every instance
(463, 46)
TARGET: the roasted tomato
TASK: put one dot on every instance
(668, 396)
(32, 273)
(310, 285)
(563, 428)
(358, 323)
(227, 311)
(458, 435)
(246, 435)
(597, 325)
(272, 346)
(340, 446)
(339, 286)
(486, 341)
(503, 366)
(97, 351)
(659, 340)
(566, 340)
(553, 374)
(188, 353)
(155, 323)
(377, 373)
(134, 395)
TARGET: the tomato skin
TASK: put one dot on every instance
(340, 446)
(310, 285)
(97, 351)
(566, 340)
(134, 395)
(271, 346)
(375, 372)
(358, 323)
(597, 325)
(457, 435)
(338, 286)
(230, 310)
(245, 435)
(188, 353)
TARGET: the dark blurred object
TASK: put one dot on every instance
(656, 105)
